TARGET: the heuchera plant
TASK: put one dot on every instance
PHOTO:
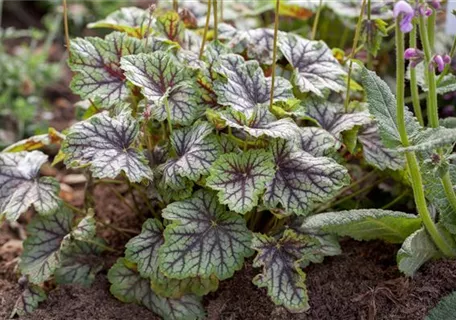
(230, 159)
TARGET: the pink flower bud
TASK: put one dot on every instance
(435, 4)
(439, 63)
(403, 9)
(446, 59)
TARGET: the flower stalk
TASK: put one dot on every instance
(414, 85)
(206, 28)
(274, 53)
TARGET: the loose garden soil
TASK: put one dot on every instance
(362, 283)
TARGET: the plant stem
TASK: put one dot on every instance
(413, 83)
(447, 67)
(274, 53)
(75, 209)
(370, 65)
(352, 53)
(65, 23)
(206, 28)
(175, 5)
(168, 115)
(412, 162)
(317, 18)
(214, 4)
(123, 200)
(395, 200)
(431, 29)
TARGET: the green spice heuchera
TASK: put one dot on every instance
(227, 167)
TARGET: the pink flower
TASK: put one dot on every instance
(440, 62)
(404, 10)
(414, 55)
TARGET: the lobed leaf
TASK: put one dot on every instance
(432, 139)
(21, 187)
(96, 62)
(204, 239)
(245, 86)
(315, 68)
(164, 81)
(41, 254)
(364, 224)
(128, 286)
(241, 178)
(302, 179)
(282, 274)
(261, 123)
(107, 145)
(316, 141)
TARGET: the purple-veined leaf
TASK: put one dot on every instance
(315, 68)
(171, 27)
(195, 149)
(41, 253)
(282, 274)
(86, 228)
(245, 86)
(164, 80)
(130, 20)
(128, 286)
(302, 179)
(258, 42)
(203, 239)
(21, 186)
(143, 250)
(108, 146)
(80, 262)
(375, 153)
(97, 65)
(316, 141)
(333, 118)
(28, 301)
(241, 178)
(261, 123)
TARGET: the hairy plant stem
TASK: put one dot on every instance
(274, 53)
(352, 53)
(431, 29)
(370, 64)
(206, 28)
(413, 83)
(412, 162)
(317, 18)
(65, 24)
(214, 4)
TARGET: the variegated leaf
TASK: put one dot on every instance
(316, 141)
(129, 20)
(166, 83)
(302, 179)
(107, 145)
(96, 62)
(315, 68)
(241, 178)
(195, 149)
(261, 123)
(244, 85)
(203, 239)
(21, 186)
(29, 300)
(128, 286)
(333, 118)
(41, 253)
(282, 274)
(374, 151)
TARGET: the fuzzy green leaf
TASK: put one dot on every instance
(21, 186)
(203, 239)
(96, 62)
(241, 178)
(302, 179)
(445, 309)
(108, 146)
(41, 253)
(282, 274)
(415, 251)
(244, 85)
(333, 118)
(125, 19)
(364, 224)
(261, 122)
(80, 262)
(432, 139)
(315, 68)
(196, 149)
(374, 151)
(29, 300)
(382, 105)
(444, 86)
(316, 141)
(164, 80)
(128, 286)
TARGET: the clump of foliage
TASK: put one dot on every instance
(231, 159)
